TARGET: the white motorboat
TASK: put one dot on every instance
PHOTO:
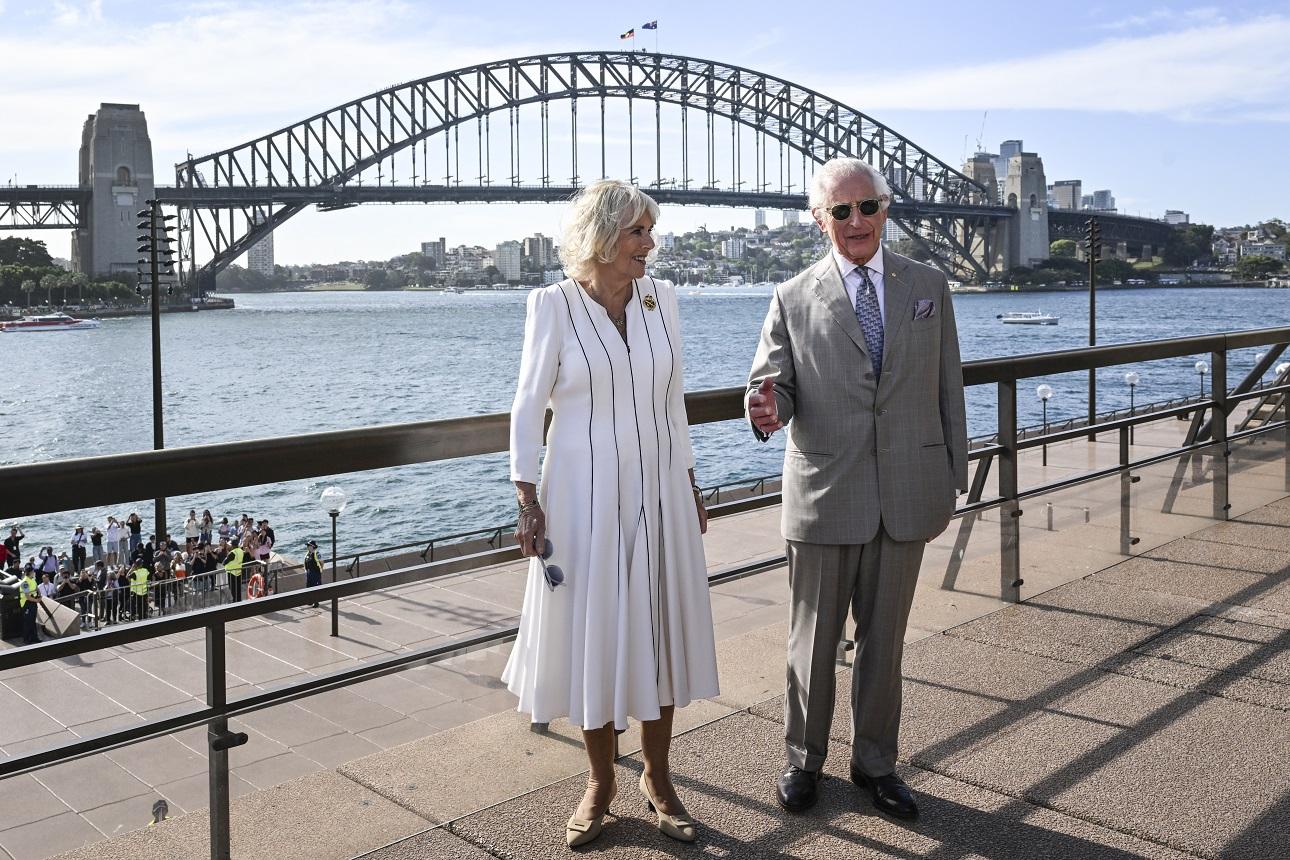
(1028, 318)
(48, 322)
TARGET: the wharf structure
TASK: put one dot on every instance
(1096, 667)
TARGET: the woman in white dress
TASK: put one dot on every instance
(617, 621)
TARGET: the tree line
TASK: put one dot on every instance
(29, 278)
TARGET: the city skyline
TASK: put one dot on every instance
(254, 67)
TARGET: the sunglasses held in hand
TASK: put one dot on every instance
(842, 211)
(553, 575)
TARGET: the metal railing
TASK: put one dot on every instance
(48, 487)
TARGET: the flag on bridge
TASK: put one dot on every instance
(630, 34)
(652, 25)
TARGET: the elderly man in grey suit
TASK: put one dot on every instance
(859, 359)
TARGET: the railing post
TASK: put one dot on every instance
(217, 753)
(1218, 431)
(1009, 512)
(1127, 480)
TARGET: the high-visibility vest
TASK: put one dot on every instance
(139, 581)
(31, 590)
(234, 567)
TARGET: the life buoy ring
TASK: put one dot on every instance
(255, 586)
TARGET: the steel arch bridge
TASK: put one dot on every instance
(709, 133)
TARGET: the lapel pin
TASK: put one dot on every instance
(649, 303)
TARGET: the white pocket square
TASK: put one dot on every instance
(924, 309)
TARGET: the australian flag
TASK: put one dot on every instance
(652, 25)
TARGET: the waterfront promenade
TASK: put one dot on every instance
(1130, 707)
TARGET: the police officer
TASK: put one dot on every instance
(28, 599)
(139, 591)
(313, 566)
(233, 567)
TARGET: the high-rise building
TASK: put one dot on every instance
(539, 249)
(260, 257)
(437, 251)
(1103, 200)
(734, 247)
(792, 217)
(759, 218)
(507, 260)
(1066, 194)
(1176, 216)
(667, 241)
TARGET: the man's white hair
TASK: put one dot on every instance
(838, 170)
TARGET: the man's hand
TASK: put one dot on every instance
(762, 408)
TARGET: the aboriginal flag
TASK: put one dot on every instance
(630, 34)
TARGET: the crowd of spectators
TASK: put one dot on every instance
(116, 574)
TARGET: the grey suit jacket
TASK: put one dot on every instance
(861, 449)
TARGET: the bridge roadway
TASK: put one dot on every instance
(1097, 719)
(57, 207)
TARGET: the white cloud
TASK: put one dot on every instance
(70, 14)
(1163, 17)
(223, 73)
(1220, 72)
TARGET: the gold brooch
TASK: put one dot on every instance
(649, 303)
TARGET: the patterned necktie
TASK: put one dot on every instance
(870, 317)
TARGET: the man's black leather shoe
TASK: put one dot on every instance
(796, 789)
(890, 794)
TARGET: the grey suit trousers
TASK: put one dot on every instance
(876, 582)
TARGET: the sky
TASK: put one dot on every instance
(1170, 105)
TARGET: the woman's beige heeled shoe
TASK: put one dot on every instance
(679, 827)
(580, 831)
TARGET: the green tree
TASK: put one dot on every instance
(1257, 267)
(24, 252)
(1115, 270)
(28, 287)
(1188, 243)
(47, 283)
(376, 279)
(1063, 248)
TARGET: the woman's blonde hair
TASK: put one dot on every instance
(595, 219)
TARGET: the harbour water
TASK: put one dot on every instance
(287, 363)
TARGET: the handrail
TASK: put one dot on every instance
(41, 488)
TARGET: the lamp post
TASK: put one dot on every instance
(1045, 391)
(1132, 379)
(333, 501)
(155, 265)
(1202, 368)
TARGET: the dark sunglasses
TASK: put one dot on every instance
(553, 575)
(842, 211)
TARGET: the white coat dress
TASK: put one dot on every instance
(630, 629)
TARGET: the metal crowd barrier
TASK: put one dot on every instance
(49, 487)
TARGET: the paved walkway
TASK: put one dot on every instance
(1028, 712)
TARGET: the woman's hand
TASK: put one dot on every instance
(703, 512)
(530, 529)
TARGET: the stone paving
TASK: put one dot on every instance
(1106, 673)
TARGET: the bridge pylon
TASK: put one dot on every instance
(116, 168)
(1026, 190)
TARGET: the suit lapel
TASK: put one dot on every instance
(829, 290)
(897, 292)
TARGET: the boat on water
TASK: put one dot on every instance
(1028, 318)
(48, 322)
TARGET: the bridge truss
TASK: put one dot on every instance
(688, 130)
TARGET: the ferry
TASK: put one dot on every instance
(1028, 318)
(48, 322)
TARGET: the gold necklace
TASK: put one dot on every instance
(620, 323)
